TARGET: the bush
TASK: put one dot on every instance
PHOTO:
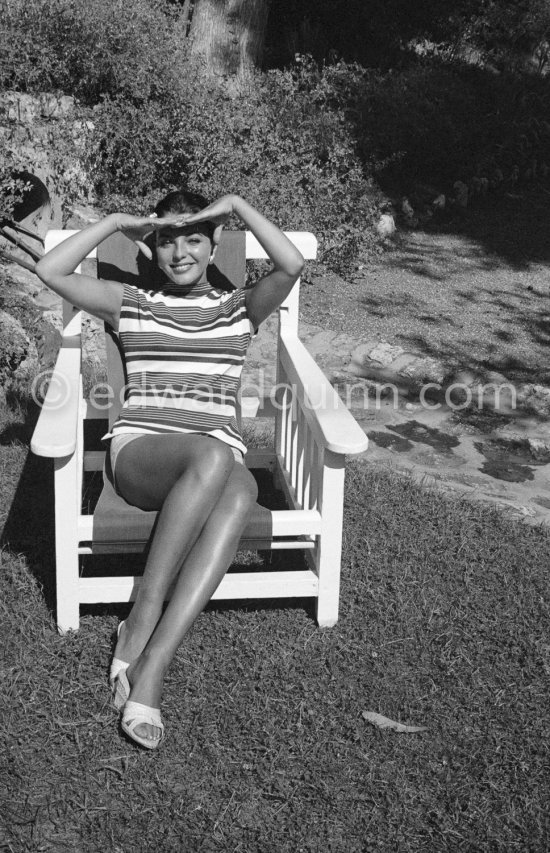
(439, 123)
(55, 146)
(315, 147)
(272, 144)
(88, 48)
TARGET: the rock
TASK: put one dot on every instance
(47, 300)
(539, 448)
(408, 213)
(19, 281)
(93, 347)
(381, 354)
(535, 398)
(422, 370)
(18, 354)
(80, 216)
(25, 108)
(48, 338)
(385, 226)
(385, 362)
(461, 193)
(55, 106)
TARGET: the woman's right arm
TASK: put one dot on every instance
(56, 269)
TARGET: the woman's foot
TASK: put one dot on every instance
(143, 684)
(135, 717)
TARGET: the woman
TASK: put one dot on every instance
(180, 453)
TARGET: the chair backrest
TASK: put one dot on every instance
(118, 259)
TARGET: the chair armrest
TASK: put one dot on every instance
(56, 430)
(332, 424)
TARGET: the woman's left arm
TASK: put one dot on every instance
(288, 263)
(273, 288)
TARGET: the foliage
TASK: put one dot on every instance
(442, 123)
(56, 146)
(315, 146)
(512, 35)
(87, 48)
(503, 33)
(274, 143)
(12, 187)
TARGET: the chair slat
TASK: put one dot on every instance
(299, 584)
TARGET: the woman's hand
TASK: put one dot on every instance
(138, 228)
(218, 213)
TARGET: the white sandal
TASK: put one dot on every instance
(134, 715)
(121, 689)
(118, 668)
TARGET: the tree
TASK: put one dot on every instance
(513, 35)
(228, 35)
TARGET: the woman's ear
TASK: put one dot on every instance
(212, 254)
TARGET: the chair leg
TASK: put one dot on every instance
(66, 544)
(328, 553)
(328, 568)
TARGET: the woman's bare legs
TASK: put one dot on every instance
(205, 498)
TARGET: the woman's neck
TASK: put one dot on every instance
(190, 291)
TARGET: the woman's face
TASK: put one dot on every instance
(183, 253)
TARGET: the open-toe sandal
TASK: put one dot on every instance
(121, 689)
(134, 715)
(118, 668)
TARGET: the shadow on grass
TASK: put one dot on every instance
(29, 526)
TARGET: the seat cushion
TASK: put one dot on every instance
(118, 525)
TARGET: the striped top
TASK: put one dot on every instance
(184, 356)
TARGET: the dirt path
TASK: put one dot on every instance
(468, 304)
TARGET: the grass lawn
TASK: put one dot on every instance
(444, 623)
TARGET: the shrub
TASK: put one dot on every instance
(438, 123)
(316, 147)
(12, 187)
(271, 144)
(54, 146)
(88, 48)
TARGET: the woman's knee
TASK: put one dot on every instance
(241, 492)
(212, 462)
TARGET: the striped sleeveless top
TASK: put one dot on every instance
(184, 356)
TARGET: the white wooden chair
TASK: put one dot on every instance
(313, 432)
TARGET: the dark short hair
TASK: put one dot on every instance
(183, 201)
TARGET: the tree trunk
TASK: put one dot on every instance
(228, 35)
